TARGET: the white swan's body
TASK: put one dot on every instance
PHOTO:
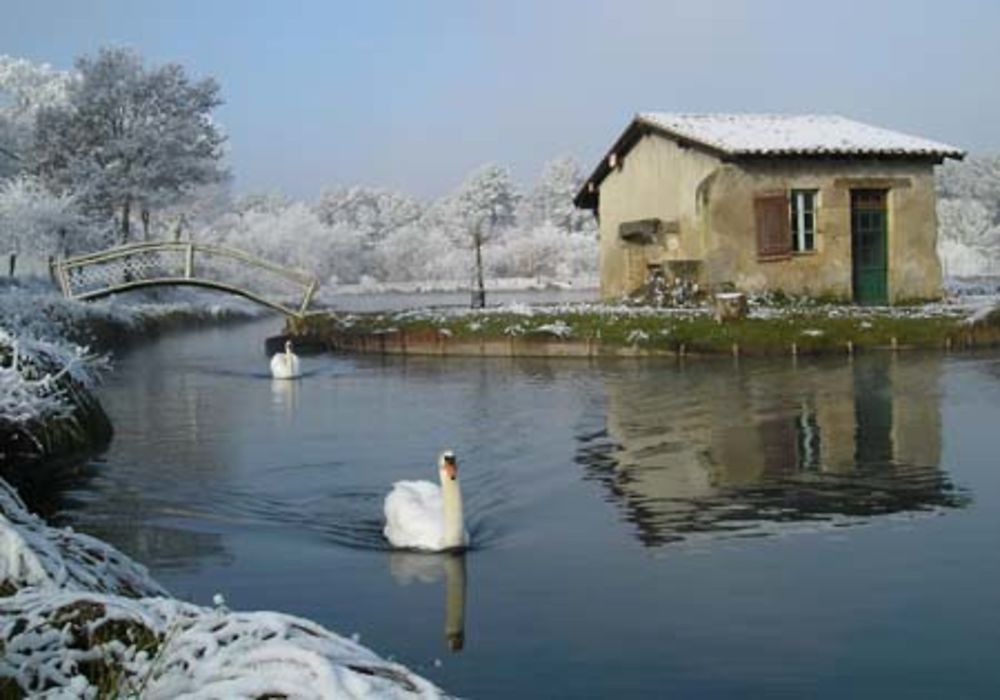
(285, 365)
(422, 515)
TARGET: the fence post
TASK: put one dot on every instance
(189, 262)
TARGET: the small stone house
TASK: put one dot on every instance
(809, 205)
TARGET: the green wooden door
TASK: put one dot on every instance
(869, 247)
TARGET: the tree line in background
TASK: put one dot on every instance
(87, 155)
(969, 216)
(90, 155)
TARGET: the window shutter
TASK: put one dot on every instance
(774, 237)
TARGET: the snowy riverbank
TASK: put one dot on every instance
(79, 619)
(53, 353)
(773, 326)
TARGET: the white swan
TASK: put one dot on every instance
(422, 515)
(285, 365)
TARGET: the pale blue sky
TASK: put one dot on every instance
(412, 95)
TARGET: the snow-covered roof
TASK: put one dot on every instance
(787, 134)
(767, 136)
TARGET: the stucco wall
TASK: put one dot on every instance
(914, 271)
(656, 179)
(708, 208)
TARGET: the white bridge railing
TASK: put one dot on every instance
(182, 263)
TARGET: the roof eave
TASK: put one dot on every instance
(586, 198)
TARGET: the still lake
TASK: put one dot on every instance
(819, 528)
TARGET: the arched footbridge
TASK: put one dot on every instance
(159, 264)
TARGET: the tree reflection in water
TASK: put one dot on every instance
(744, 451)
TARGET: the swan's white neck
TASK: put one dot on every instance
(454, 523)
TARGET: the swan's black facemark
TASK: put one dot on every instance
(450, 465)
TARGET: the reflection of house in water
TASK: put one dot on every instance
(729, 451)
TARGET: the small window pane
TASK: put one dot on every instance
(802, 219)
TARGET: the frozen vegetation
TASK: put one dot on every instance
(53, 353)
(79, 619)
(76, 176)
(969, 217)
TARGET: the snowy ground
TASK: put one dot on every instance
(955, 306)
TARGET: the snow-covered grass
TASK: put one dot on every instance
(503, 284)
(78, 619)
(775, 324)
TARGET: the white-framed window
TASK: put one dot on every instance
(802, 207)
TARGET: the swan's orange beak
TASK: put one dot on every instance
(450, 468)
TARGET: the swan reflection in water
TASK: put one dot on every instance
(745, 451)
(409, 567)
(284, 398)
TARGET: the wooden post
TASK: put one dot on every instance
(189, 261)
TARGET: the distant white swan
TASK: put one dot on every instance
(285, 365)
(422, 515)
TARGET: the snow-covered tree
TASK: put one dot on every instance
(25, 88)
(551, 200)
(969, 240)
(417, 253)
(35, 221)
(375, 212)
(129, 137)
(292, 234)
(371, 214)
(485, 204)
(975, 178)
(191, 217)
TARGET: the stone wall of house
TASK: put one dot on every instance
(914, 270)
(706, 212)
(656, 179)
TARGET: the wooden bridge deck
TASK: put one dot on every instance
(164, 263)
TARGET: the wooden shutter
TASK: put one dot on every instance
(774, 238)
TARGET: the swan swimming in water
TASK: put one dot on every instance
(422, 515)
(285, 365)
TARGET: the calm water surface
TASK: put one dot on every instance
(764, 529)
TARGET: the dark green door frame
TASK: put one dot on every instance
(869, 247)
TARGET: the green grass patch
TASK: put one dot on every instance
(809, 330)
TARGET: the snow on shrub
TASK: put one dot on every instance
(79, 619)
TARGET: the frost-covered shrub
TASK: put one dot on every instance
(37, 377)
(46, 405)
(79, 619)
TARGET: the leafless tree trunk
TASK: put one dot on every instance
(126, 219)
(479, 292)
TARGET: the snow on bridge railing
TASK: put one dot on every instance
(126, 267)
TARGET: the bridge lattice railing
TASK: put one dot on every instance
(186, 263)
